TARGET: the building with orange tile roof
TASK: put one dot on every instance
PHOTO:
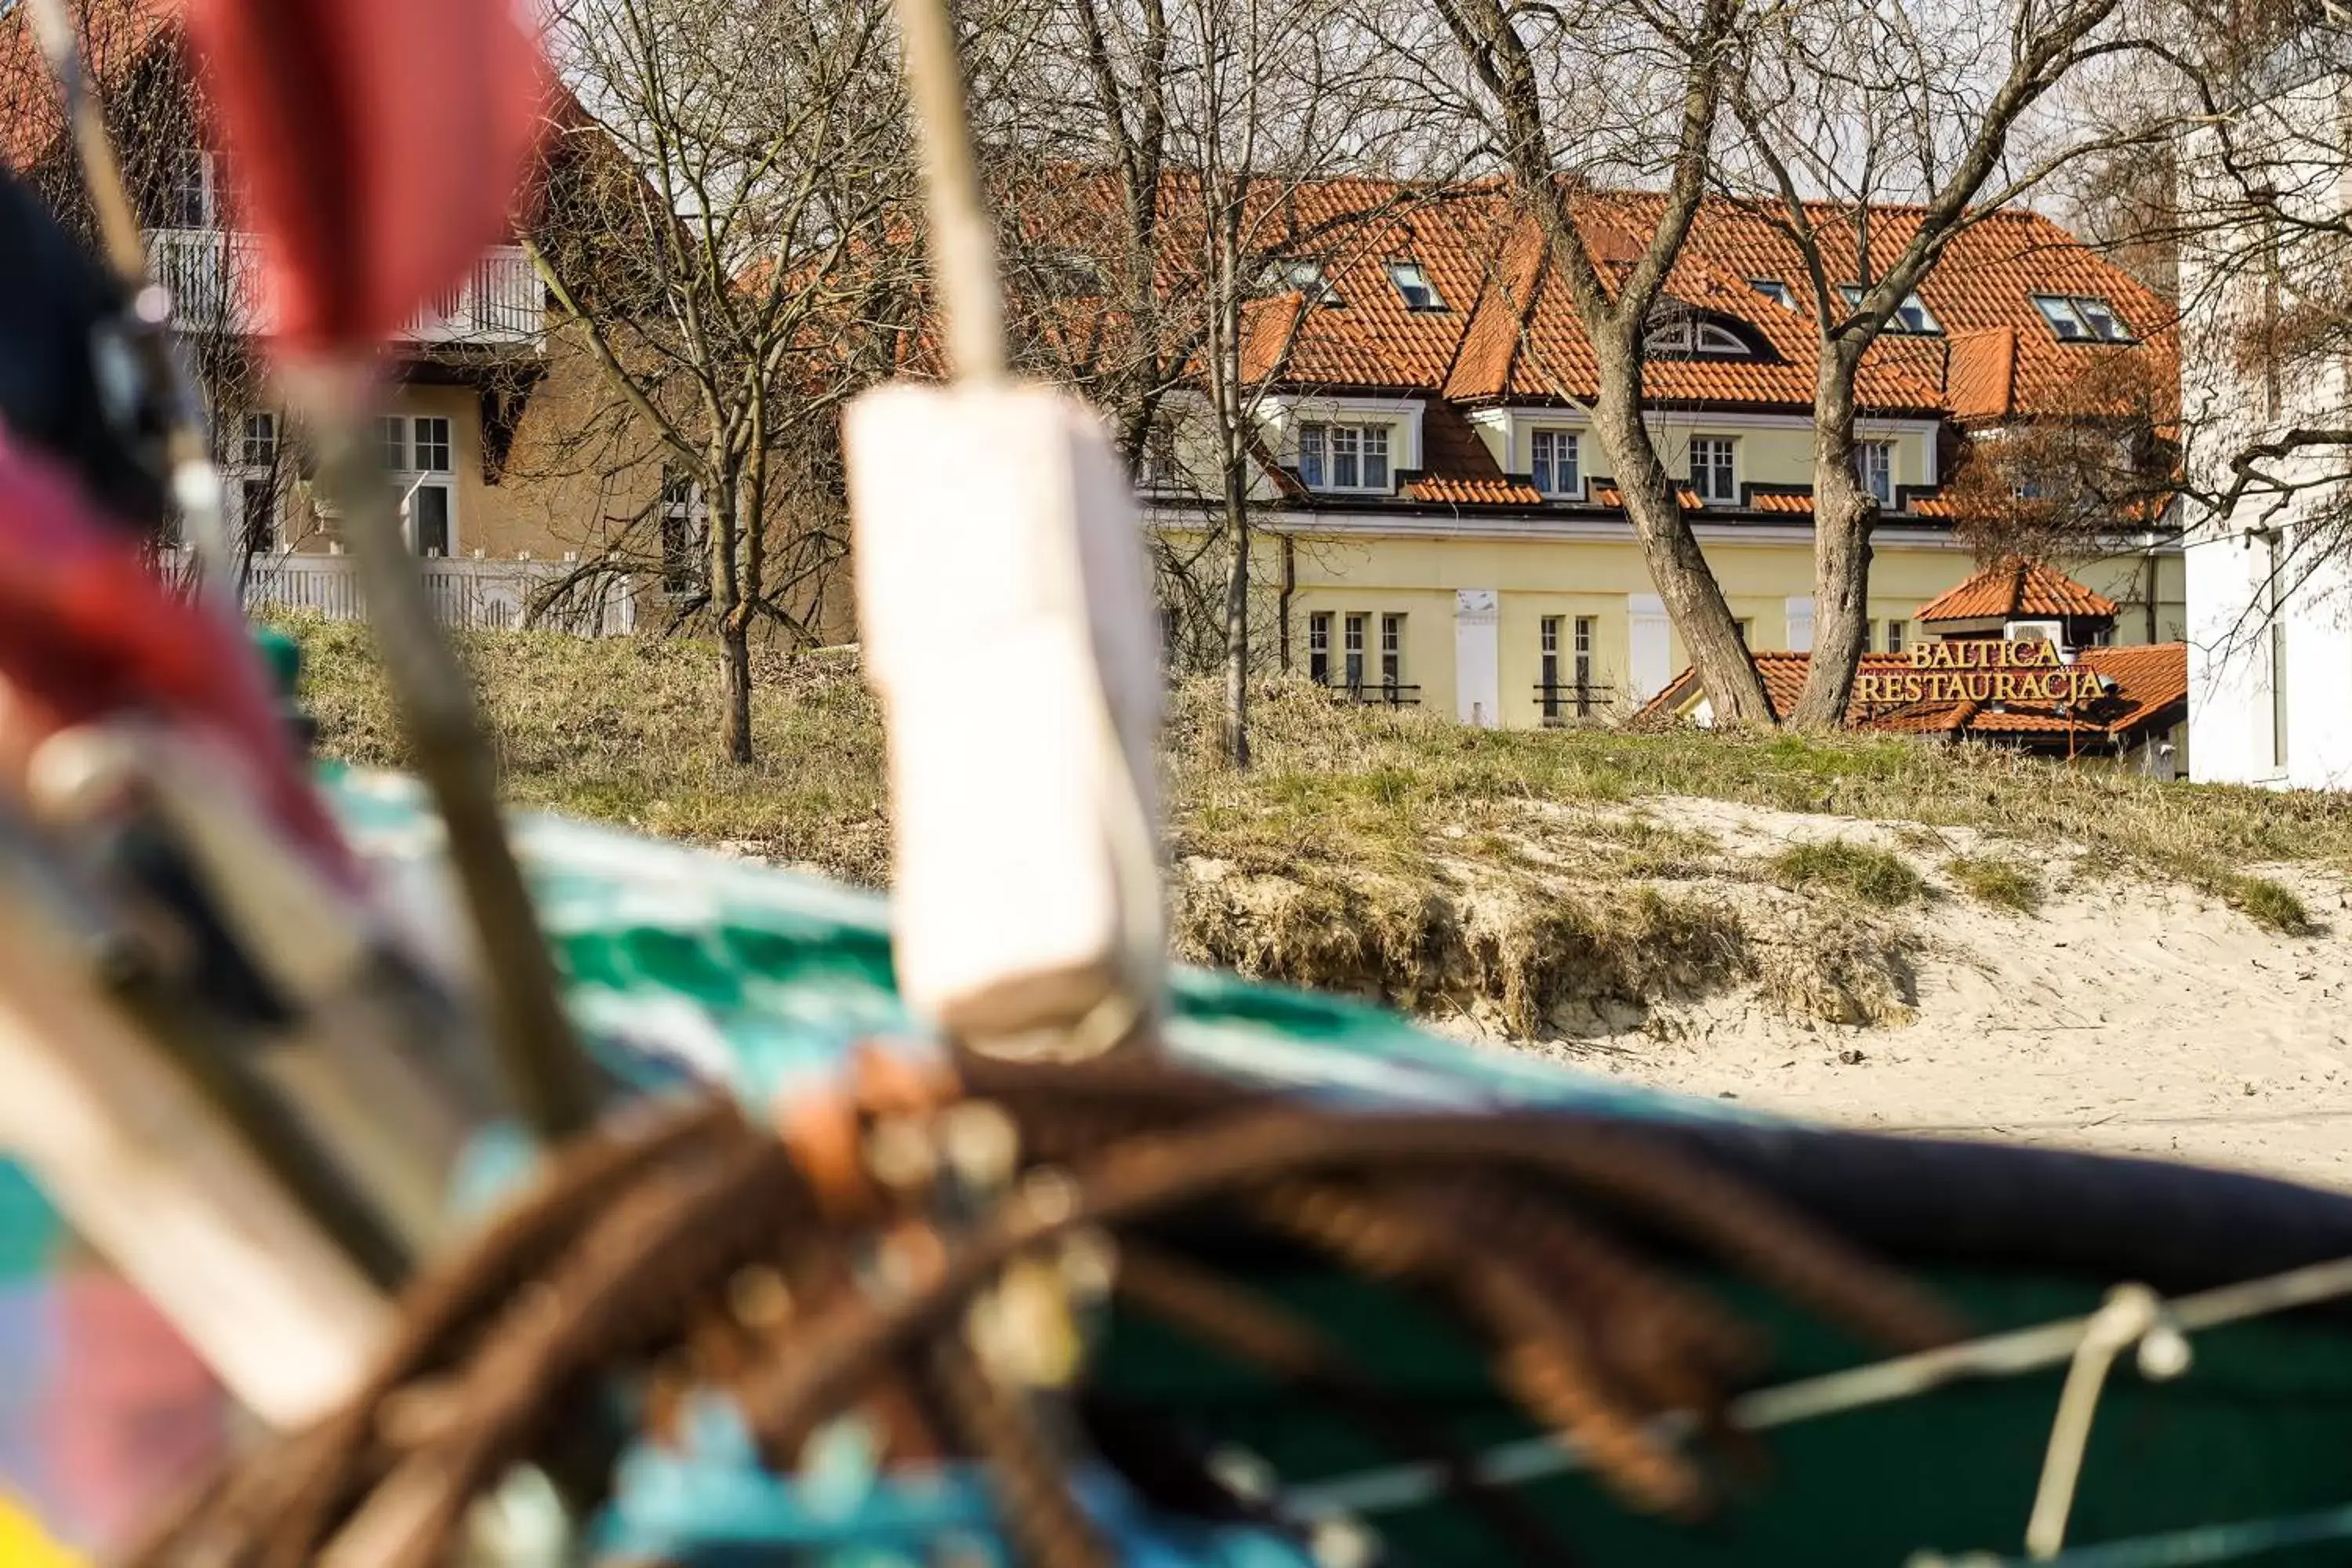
(1447, 530)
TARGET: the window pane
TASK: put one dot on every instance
(1375, 456)
(433, 445)
(1895, 631)
(1344, 467)
(1310, 456)
(1412, 285)
(1874, 463)
(256, 497)
(394, 433)
(2102, 319)
(1391, 650)
(1710, 468)
(260, 440)
(1552, 634)
(429, 518)
(1556, 463)
(1318, 649)
(2060, 314)
(1355, 650)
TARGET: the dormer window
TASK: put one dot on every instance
(2082, 319)
(1683, 336)
(1412, 285)
(1774, 290)
(1299, 276)
(1344, 457)
(1912, 316)
(1554, 466)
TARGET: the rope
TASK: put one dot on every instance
(2016, 1352)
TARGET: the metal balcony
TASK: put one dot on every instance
(1563, 701)
(214, 275)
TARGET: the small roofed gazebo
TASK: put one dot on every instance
(2015, 597)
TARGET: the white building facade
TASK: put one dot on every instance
(2269, 587)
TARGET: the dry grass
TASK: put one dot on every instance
(1859, 871)
(1388, 853)
(1996, 879)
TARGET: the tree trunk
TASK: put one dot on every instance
(735, 664)
(1843, 516)
(1238, 749)
(1693, 599)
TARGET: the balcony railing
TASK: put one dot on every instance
(466, 594)
(1561, 701)
(214, 275)
(1382, 694)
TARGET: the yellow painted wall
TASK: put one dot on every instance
(1771, 454)
(1568, 578)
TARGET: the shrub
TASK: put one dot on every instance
(2004, 884)
(1874, 876)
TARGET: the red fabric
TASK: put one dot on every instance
(133, 1416)
(378, 145)
(87, 630)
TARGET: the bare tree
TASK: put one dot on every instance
(1665, 68)
(1847, 105)
(719, 236)
(1179, 211)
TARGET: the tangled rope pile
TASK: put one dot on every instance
(900, 1250)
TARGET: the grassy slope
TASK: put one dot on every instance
(1512, 872)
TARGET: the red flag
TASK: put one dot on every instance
(378, 146)
(88, 631)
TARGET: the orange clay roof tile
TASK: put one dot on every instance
(2012, 588)
(2150, 687)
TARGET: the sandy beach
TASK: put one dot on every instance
(2124, 1015)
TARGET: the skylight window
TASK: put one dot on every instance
(1300, 276)
(1412, 282)
(1772, 289)
(1911, 317)
(2082, 319)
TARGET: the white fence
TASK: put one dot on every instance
(468, 595)
(213, 277)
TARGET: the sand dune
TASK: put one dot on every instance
(2124, 1015)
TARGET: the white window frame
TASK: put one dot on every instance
(206, 166)
(1901, 323)
(1351, 666)
(1688, 335)
(1304, 277)
(409, 476)
(682, 503)
(1326, 447)
(1391, 651)
(1318, 647)
(1728, 470)
(1776, 290)
(1548, 483)
(260, 446)
(1873, 467)
(1897, 636)
(1415, 287)
(2070, 317)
